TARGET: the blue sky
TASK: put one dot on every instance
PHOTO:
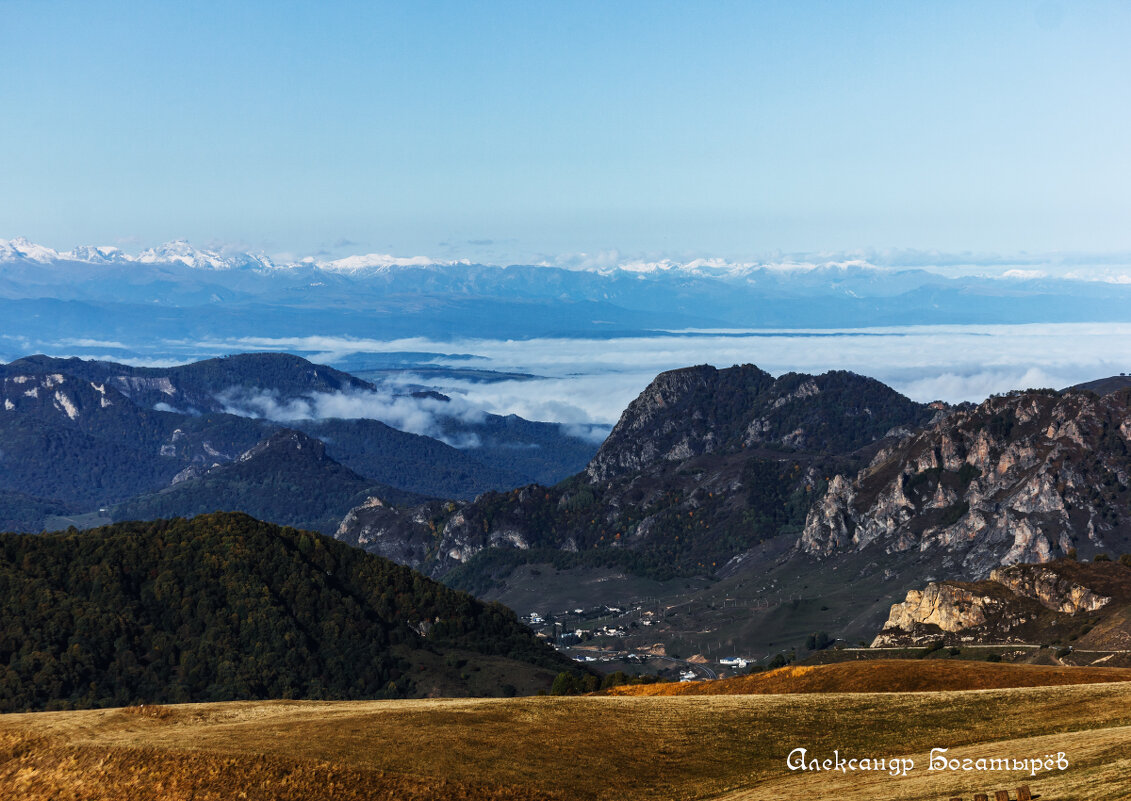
(520, 131)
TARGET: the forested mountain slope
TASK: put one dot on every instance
(225, 607)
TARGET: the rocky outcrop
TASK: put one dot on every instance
(1021, 603)
(941, 607)
(1023, 477)
(1050, 588)
(437, 536)
(831, 529)
(405, 536)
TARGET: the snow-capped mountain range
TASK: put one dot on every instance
(20, 249)
(181, 252)
(834, 266)
(177, 293)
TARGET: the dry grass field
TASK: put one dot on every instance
(599, 747)
(888, 675)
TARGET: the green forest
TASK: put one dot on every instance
(225, 607)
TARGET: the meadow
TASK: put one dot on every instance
(730, 747)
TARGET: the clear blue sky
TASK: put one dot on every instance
(510, 131)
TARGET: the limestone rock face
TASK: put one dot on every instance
(941, 607)
(947, 606)
(404, 536)
(831, 529)
(435, 536)
(1022, 477)
(1023, 602)
(1052, 590)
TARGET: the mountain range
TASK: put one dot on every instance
(83, 435)
(808, 502)
(756, 509)
(702, 466)
(99, 300)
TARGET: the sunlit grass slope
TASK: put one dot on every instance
(565, 748)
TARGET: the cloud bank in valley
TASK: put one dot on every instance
(587, 383)
(415, 415)
(590, 381)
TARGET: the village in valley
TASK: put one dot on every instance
(617, 638)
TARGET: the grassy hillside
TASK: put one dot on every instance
(224, 607)
(724, 747)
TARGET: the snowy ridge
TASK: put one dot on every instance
(178, 251)
(181, 252)
(866, 265)
(379, 262)
(19, 249)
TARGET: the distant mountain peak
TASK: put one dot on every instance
(21, 249)
(698, 410)
(179, 250)
(380, 262)
(102, 254)
(287, 441)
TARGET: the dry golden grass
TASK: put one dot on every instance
(1100, 769)
(888, 675)
(727, 746)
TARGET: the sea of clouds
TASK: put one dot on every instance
(590, 381)
(587, 383)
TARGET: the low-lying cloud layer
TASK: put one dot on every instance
(587, 383)
(416, 415)
(592, 380)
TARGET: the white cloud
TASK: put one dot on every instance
(591, 381)
(980, 385)
(404, 412)
(92, 343)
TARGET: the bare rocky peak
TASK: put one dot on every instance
(700, 410)
(661, 423)
(285, 442)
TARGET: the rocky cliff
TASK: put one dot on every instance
(1023, 477)
(1026, 603)
(700, 410)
